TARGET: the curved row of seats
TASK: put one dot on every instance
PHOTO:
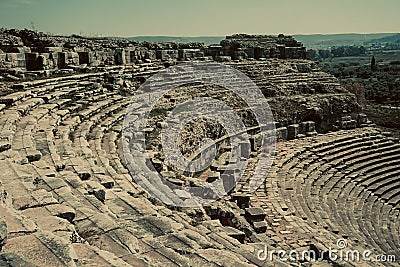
(282, 78)
(344, 185)
(71, 198)
(72, 202)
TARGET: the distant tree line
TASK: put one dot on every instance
(348, 51)
(381, 83)
(337, 51)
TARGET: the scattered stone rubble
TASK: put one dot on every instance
(243, 46)
(35, 51)
(67, 198)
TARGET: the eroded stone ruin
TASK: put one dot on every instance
(67, 198)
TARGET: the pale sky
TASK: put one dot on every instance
(201, 18)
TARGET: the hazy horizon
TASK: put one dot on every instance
(223, 35)
(127, 18)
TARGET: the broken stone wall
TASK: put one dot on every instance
(241, 46)
(85, 57)
(165, 55)
(325, 112)
(13, 60)
(189, 54)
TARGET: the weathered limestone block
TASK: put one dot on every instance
(15, 60)
(244, 149)
(62, 60)
(228, 181)
(182, 194)
(281, 134)
(33, 154)
(37, 198)
(307, 126)
(105, 181)
(93, 256)
(234, 233)
(80, 167)
(55, 183)
(3, 194)
(174, 181)
(165, 55)
(347, 122)
(54, 49)
(260, 227)
(62, 211)
(73, 58)
(188, 54)
(213, 176)
(2, 58)
(256, 142)
(223, 58)
(362, 119)
(3, 234)
(224, 258)
(242, 199)
(293, 131)
(16, 222)
(96, 189)
(33, 62)
(85, 58)
(43, 219)
(158, 164)
(43, 249)
(4, 145)
(189, 239)
(255, 214)
(119, 56)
